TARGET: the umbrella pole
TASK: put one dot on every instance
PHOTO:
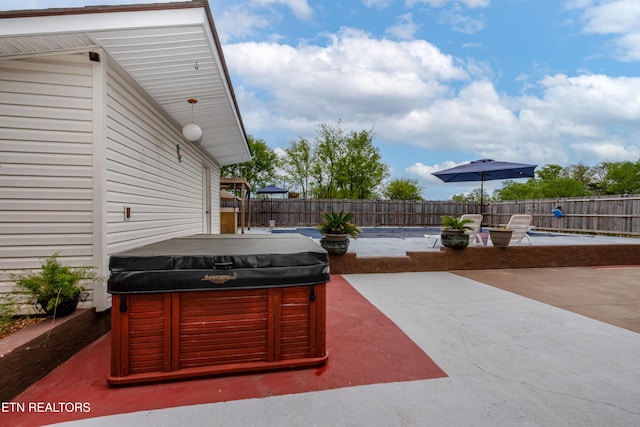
(481, 196)
(481, 192)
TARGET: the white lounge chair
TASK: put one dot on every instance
(432, 239)
(520, 225)
(475, 224)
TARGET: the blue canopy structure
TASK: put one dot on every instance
(272, 189)
(486, 170)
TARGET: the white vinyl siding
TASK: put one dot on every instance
(51, 197)
(45, 162)
(143, 172)
(215, 200)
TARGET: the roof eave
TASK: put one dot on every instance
(243, 153)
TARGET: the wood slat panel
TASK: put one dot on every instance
(146, 317)
(182, 335)
(295, 323)
(218, 327)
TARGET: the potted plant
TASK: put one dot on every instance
(57, 288)
(500, 236)
(453, 232)
(337, 229)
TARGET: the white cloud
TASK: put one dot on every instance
(405, 29)
(424, 172)
(379, 4)
(620, 18)
(300, 8)
(471, 4)
(462, 22)
(238, 22)
(614, 149)
(411, 93)
(355, 76)
(455, 13)
(617, 17)
(574, 118)
(243, 20)
(593, 99)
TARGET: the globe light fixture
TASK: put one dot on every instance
(192, 131)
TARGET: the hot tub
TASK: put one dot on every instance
(217, 304)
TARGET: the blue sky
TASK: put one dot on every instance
(440, 82)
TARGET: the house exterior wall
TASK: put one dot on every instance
(143, 172)
(45, 162)
(79, 143)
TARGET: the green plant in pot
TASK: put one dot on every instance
(453, 232)
(337, 228)
(56, 288)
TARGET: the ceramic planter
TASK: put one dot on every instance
(500, 237)
(335, 243)
(455, 239)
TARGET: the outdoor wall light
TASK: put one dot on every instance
(192, 131)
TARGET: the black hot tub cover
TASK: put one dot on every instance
(204, 262)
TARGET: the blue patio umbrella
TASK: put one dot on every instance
(486, 170)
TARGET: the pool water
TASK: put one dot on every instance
(385, 232)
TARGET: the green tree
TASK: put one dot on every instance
(621, 178)
(599, 174)
(261, 170)
(473, 196)
(555, 181)
(298, 165)
(361, 170)
(575, 181)
(403, 189)
(512, 190)
(346, 166)
(562, 187)
(329, 149)
(585, 175)
(551, 181)
(549, 172)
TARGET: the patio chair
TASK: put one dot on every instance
(432, 239)
(475, 224)
(520, 226)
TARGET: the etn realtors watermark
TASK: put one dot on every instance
(45, 407)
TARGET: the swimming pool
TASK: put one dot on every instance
(395, 232)
(386, 232)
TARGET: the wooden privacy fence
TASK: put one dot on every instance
(619, 215)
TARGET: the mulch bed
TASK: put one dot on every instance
(17, 323)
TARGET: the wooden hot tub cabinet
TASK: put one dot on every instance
(238, 319)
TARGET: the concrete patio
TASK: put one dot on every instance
(399, 246)
(517, 346)
(509, 359)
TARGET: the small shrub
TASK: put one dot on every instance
(453, 223)
(339, 223)
(54, 283)
(8, 309)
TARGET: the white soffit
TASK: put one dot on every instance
(170, 52)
